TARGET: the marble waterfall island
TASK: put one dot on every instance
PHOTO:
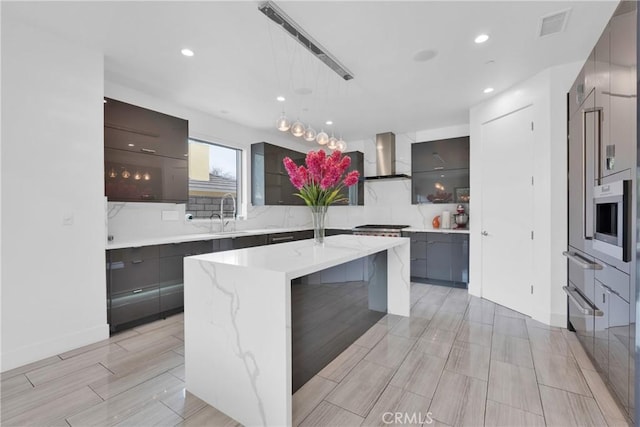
(238, 316)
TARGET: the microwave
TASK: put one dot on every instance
(612, 219)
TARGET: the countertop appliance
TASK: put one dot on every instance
(379, 230)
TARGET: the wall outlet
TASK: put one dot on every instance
(169, 215)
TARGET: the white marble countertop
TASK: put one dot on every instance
(161, 240)
(437, 230)
(304, 257)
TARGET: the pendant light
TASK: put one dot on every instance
(126, 174)
(341, 145)
(283, 124)
(309, 134)
(322, 138)
(332, 143)
(297, 129)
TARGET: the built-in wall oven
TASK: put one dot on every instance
(612, 219)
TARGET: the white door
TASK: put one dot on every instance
(507, 210)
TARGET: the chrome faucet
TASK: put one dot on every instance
(221, 220)
(233, 199)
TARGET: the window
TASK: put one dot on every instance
(214, 175)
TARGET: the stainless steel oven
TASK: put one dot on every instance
(612, 219)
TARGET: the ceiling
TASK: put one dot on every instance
(243, 60)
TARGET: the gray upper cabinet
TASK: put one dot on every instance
(355, 193)
(270, 184)
(144, 154)
(440, 171)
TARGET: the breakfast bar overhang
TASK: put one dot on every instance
(238, 340)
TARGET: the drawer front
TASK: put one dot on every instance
(614, 279)
(582, 279)
(439, 237)
(171, 297)
(131, 275)
(173, 249)
(171, 270)
(419, 268)
(418, 237)
(132, 306)
(306, 234)
(128, 254)
(202, 247)
(418, 250)
(281, 238)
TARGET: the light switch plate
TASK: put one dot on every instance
(169, 215)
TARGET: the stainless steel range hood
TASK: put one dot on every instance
(386, 158)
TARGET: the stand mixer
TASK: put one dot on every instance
(461, 218)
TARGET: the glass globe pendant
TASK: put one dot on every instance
(297, 129)
(309, 134)
(332, 143)
(283, 124)
(322, 138)
(341, 145)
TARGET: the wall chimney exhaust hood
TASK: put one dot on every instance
(386, 158)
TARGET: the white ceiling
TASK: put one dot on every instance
(243, 60)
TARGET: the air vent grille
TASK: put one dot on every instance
(553, 23)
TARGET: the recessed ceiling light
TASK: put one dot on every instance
(488, 90)
(281, 98)
(328, 122)
(187, 52)
(481, 38)
(425, 55)
(131, 145)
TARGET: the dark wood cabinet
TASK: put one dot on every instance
(440, 171)
(145, 154)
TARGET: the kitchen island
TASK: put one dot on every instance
(238, 341)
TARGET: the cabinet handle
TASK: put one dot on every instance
(586, 264)
(147, 150)
(280, 239)
(583, 308)
(137, 291)
(137, 261)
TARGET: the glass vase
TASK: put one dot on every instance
(318, 214)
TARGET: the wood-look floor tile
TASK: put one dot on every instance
(390, 351)
(158, 324)
(183, 403)
(17, 404)
(507, 312)
(551, 341)
(579, 354)
(370, 338)
(123, 405)
(390, 320)
(151, 338)
(510, 326)
(514, 386)
(459, 400)
(424, 309)
(469, 359)
(419, 373)
(436, 342)
(535, 324)
(179, 350)
(511, 350)
(452, 305)
(13, 385)
(446, 321)
(607, 404)
(111, 340)
(154, 414)
(309, 396)
(209, 417)
(394, 400)
(475, 333)
(361, 388)
(410, 327)
(116, 384)
(327, 414)
(53, 412)
(480, 313)
(560, 372)
(499, 415)
(562, 408)
(178, 372)
(128, 361)
(339, 367)
(68, 366)
(29, 367)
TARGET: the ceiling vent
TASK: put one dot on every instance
(553, 23)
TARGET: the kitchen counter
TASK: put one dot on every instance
(238, 340)
(437, 230)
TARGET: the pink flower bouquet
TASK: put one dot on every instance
(321, 181)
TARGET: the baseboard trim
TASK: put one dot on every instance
(43, 349)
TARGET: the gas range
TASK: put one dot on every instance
(385, 230)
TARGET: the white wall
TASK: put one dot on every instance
(546, 92)
(53, 277)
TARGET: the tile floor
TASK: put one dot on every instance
(457, 361)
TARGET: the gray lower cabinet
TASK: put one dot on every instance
(441, 258)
